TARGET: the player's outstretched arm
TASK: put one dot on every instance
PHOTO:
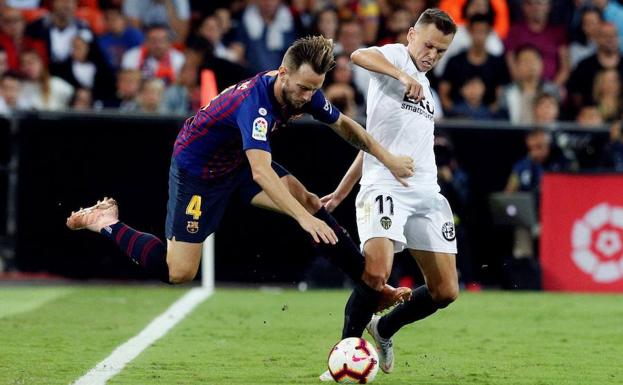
(399, 165)
(373, 60)
(264, 175)
(349, 180)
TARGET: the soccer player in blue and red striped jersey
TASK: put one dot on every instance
(224, 151)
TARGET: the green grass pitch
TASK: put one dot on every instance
(54, 335)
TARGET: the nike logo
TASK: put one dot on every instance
(357, 359)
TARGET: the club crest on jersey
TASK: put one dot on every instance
(447, 230)
(386, 222)
(260, 129)
(262, 111)
(192, 227)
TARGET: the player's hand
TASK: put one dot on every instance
(331, 201)
(413, 89)
(319, 230)
(401, 167)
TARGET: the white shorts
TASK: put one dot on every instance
(413, 218)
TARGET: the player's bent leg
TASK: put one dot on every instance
(183, 260)
(379, 256)
(143, 249)
(439, 270)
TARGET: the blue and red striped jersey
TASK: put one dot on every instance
(211, 143)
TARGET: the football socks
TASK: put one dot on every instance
(144, 249)
(421, 305)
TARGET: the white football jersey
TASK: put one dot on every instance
(399, 124)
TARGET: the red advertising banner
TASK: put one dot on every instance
(582, 232)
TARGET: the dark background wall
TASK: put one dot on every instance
(69, 161)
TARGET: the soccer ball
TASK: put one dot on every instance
(353, 360)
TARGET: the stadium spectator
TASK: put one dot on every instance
(185, 95)
(303, 13)
(580, 84)
(472, 104)
(350, 39)
(607, 95)
(546, 109)
(585, 43)
(474, 61)
(398, 24)
(82, 100)
(44, 92)
(199, 53)
(542, 155)
(462, 41)
(118, 38)
(548, 39)
(326, 23)
(128, 84)
(342, 73)
(210, 29)
(149, 99)
(175, 14)
(589, 116)
(12, 38)
(156, 58)
(365, 12)
(85, 70)
(613, 13)
(343, 97)
(57, 30)
(266, 30)
(11, 93)
(518, 97)
(459, 11)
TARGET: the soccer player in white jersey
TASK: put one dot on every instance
(390, 216)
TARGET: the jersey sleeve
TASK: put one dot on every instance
(394, 53)
(322, 110)
(254, 126)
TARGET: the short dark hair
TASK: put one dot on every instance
(317, 51)
(436, 16)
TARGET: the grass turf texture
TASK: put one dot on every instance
(257, 337)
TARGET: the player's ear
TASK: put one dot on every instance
(282, 71)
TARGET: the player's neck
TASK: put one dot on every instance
(278, 94)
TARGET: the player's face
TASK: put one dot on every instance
(298, 87)
(427, 45)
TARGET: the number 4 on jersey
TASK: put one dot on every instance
(194, 207)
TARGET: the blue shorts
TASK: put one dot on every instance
(196, 207)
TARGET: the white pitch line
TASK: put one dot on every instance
(125, 353)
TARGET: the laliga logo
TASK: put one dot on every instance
(597, 246)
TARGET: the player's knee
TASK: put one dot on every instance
(181, 275)
(444, 295)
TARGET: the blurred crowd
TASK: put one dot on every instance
(531, 62)
(525, 61)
